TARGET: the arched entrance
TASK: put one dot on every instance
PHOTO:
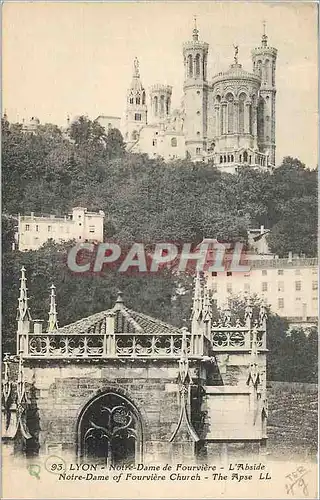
(110, 431)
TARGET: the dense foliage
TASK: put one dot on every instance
(144, 200)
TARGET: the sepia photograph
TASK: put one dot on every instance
(159, 220)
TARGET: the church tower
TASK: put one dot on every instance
(136, 110)
(195, 54)
(264, 65)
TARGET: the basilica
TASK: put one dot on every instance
(228, 120)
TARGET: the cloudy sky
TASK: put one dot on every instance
(77, 58)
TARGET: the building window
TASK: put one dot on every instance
(174, 142)
(280, 286)
(37, 228)
(297, 272)
(314, 285)
(264, 286)
(154, 142)
(27, 227)
(198, 151)
(229, 273)
(298, 299)
(214, 288)
(138, 100)
(49, 229)
(190, 66)
(229, 287)
(131, 100)
(281, 303)
(198, 92)
(280, 272)
(91, 229)
(298, 286)
(264, 272)
(137, 117)
(214, 273)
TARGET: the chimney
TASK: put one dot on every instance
(37, 326)
(32, 215)
(261, 229)
(290, 257)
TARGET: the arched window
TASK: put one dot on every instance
(197, 65)
(240, 158)
(230, 112)
(267, 70)
(174, 142)
(242, 98)
(228, 158)
(137, 100)
(143, 97)
(224, 159)
(221, 159)
(162, 105)
(131, 100)
(250, 159)
(155, 101)
(259, 68)
(190, 66)
(245, 157)
(232, 158)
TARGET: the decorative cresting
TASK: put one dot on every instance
(117, 333)
(228, 335)
(14, 402)
(53, 317)
(256, 374)
(110, 430)
(184, 381)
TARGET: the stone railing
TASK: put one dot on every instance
(236, 339)
(118, 345)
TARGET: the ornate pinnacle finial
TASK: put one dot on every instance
(53, 317)
(264, 39)
(195, 32)
(136, 72)
(236, 52)
(207, 305)
(23, 309)
(197, 298)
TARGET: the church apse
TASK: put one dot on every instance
(122, 387)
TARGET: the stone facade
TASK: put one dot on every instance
(229, 121)
(122, 387)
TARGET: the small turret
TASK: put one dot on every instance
(53, 317)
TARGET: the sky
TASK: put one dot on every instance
(63, 59)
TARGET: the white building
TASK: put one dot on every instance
(289, 286)
(80, 225)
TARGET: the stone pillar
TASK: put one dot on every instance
(224, 117)
(236, 117)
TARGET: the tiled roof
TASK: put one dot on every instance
(126, 321)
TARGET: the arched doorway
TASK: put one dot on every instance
(110, 431)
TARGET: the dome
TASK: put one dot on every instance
(236, 72)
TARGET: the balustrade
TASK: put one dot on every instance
(115, 345)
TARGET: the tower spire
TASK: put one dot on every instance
(23, 308)
(264, 39)
(136, 72)
(195, 32)
(53, 317)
